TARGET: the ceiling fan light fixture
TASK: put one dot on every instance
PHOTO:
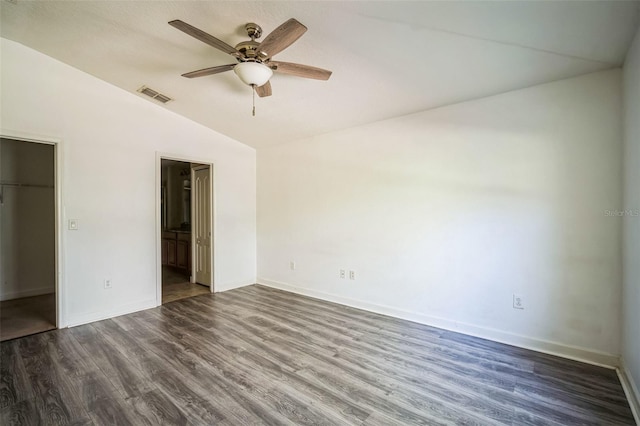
(253, 73)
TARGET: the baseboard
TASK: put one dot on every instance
(544, 346)
(233, 285)
(27, 293)
(630, 389)
(74, 321)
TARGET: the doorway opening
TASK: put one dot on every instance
(185, 229)
(28, 302)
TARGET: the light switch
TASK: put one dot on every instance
(73, 225)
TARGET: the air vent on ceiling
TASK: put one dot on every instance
(154, 95)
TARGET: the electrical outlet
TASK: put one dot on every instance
(292, 265)
(108, 283)
(518, 302)
(343, 274)
(352, 275)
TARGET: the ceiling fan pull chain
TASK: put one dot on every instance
(253, 88)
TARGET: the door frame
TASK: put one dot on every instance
(158, 190)
(58, 158)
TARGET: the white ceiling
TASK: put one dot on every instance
(388, 58)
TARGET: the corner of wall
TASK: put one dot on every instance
(631, 390)
(630, 360)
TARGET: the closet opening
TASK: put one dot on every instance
(28, 302)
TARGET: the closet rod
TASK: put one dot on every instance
(25, 185)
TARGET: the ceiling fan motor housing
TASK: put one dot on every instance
(248, 49)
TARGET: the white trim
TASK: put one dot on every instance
(60, 283)
(28, 137)
(192, 201)
(187, 159)
(630, 389)
(526, 342)
(26, 293)
(102, 315)
(233, 285)
(214, 228)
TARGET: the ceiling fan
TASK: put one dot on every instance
(254, 64)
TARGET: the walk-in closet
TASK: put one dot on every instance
(27, 238)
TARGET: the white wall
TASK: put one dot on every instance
(109, 143)
(27, 220)
(445, 214)
(631, 261)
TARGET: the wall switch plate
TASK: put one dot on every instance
(343, 274)
(518, 302)
(73, 225)
(292, 265)
(352, 275)
(108, 283)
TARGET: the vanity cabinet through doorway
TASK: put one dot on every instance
(176, 249)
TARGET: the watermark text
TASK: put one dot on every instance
(622, 213)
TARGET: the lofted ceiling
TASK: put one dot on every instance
(388, 58)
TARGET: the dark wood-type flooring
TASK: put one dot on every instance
(256, 355)
(27, 315)
(176, 285)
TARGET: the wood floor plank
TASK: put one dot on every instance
(115, 411)
(15, 386)
(474, 367)
(55, 399)
(216, 382)
(155, 370)
(488, 369)
(569, 409)
(417, 339)
(158, 409)
(349, 381)
(282, 398)
(23, 413)
(96, 394)
(248, 340)
(343, 328)
(248, 360)
(124, 376)
(258, 355)
(473, 401)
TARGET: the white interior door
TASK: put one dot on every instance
(201, 191)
